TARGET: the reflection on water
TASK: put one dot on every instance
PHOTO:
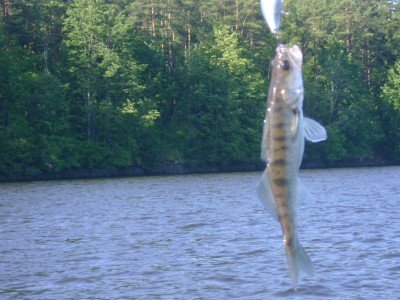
(197, 237)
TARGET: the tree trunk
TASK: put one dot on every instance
(348, 29)
(6, 8)
(237, 15)
(89, 116)
(153, 22)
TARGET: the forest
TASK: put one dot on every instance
(89, 84)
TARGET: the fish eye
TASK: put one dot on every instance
(286, 65)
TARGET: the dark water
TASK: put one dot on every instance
(198, 237)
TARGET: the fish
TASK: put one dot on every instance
(284, 133)
(272, 11)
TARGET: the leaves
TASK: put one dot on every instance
(117, 83)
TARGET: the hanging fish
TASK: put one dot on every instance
(285, 129)
(272, 10)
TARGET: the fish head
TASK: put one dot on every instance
(287, 75)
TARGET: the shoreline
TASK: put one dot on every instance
(181, 169)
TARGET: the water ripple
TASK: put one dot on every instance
(197, 237)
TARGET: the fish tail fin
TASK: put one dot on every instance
(299, 260)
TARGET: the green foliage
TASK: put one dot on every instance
(223, 106)
(335, 148)
(390, 98)
(335, 95)
(347, 52)
(114, 83)
(391, 90)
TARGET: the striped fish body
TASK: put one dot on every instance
(283, 145)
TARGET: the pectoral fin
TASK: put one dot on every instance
(313, 131)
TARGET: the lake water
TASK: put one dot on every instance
(198, 237)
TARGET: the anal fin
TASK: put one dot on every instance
(266, 196)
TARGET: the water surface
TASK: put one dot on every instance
(198, 237)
